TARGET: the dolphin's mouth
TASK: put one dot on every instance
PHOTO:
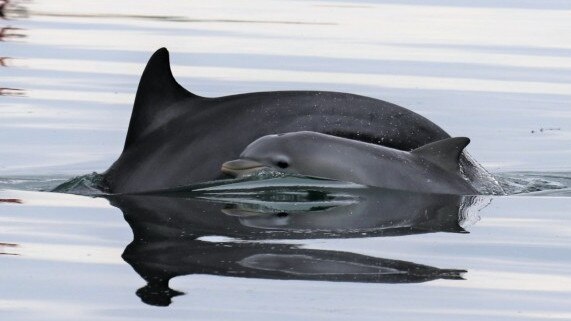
(242, 166)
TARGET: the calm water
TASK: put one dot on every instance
(498, 72)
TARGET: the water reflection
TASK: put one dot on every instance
(180, 19)
(13, 9)
(4, 61)
(174, 233)
(11, 200)
(6, 247)
(3, 6)
(10, 32)
(159, 261)
(12, 92)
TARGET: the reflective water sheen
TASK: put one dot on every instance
(286, 247)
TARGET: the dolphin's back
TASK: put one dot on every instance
(432, 168)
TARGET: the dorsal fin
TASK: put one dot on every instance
(157, 90)
(444, 153)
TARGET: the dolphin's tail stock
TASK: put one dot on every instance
(157, 88)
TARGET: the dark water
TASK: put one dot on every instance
(286, 248)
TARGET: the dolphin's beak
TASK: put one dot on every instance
(241, 166)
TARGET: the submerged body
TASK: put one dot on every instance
(177, 138)
(433, 168)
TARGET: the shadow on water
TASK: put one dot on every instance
(222, 229)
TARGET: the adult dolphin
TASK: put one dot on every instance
(178, 138)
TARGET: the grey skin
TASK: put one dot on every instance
(177, 138)
(433, 168)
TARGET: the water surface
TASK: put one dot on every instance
(495, 71)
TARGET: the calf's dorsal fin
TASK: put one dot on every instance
(157, 91)
(444, 153)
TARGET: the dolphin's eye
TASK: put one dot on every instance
(282, 164)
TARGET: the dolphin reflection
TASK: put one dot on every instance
(171, 231)
(158, 262)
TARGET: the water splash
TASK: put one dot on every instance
(90, 184)
(534, 182)
(470, 208)
(482, 180)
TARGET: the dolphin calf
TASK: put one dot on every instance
(432, 168)
(178, 138)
